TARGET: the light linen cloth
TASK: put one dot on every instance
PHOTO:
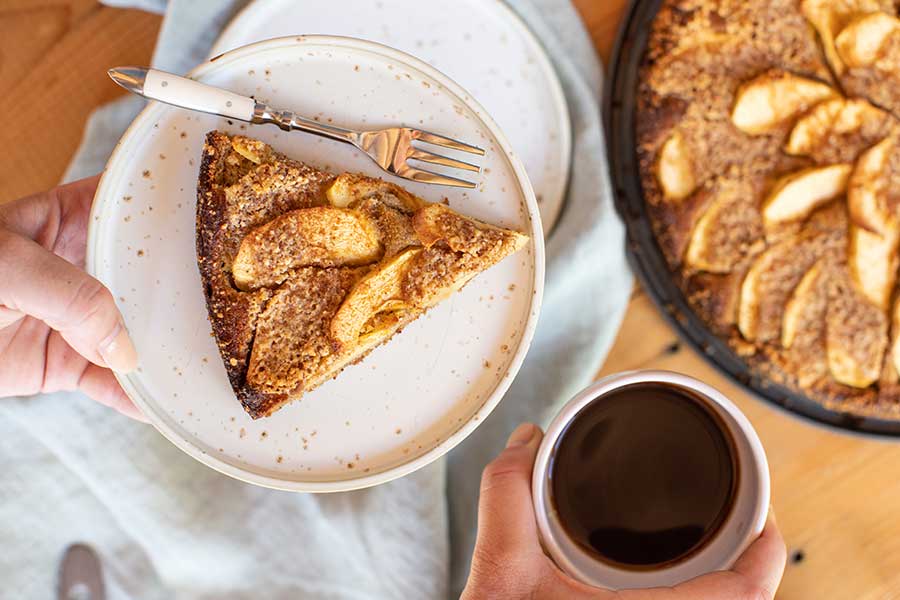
(167, 527)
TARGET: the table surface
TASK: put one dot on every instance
(835, 494)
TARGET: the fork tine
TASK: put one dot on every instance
(439, 140)
(437, 159)
(429, 177)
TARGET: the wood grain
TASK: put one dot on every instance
(835, 494)
(52, 75)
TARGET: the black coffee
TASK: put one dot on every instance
(644, 476)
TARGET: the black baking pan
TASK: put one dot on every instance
(645, 256)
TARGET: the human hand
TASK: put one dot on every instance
(508, 562)
(59, 327)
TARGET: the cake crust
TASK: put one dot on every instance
(708, 175)
(301, 268)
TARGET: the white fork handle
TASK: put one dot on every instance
(187, 93)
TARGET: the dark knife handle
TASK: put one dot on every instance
(80, 574)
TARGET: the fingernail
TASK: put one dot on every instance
(522, 434)
(117, 351)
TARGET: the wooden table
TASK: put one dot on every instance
(836, 496)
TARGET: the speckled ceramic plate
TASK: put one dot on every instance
(481, 44)
(409, 401)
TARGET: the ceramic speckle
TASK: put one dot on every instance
(181, 383)
(480, 44)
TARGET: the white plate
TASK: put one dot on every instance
(407, 403)
(481, 44)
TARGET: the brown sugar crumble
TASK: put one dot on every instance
(276, 320)
(748, 277)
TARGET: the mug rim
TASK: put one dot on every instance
(743, 431)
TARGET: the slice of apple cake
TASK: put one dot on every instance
(306, 272)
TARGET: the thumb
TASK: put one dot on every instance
(41, 284)
(506, 523)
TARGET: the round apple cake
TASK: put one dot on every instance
(768, 142)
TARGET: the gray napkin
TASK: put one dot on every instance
(166, 526)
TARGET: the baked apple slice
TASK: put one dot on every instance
(775, 97)
(728, 231)
(675, 169)
(768, 285)
(829, 17)
(795, 196)
(838, 130)
(321, 236)
(806, 297)
(872, 260)
(868, 190)
(861, 42)
(895, 328)
(856, 334)
(380, 291)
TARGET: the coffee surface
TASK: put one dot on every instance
(644, 476)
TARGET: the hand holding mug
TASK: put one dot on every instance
(509, 562)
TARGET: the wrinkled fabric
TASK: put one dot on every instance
(166, 526)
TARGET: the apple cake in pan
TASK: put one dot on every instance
(768, 143)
